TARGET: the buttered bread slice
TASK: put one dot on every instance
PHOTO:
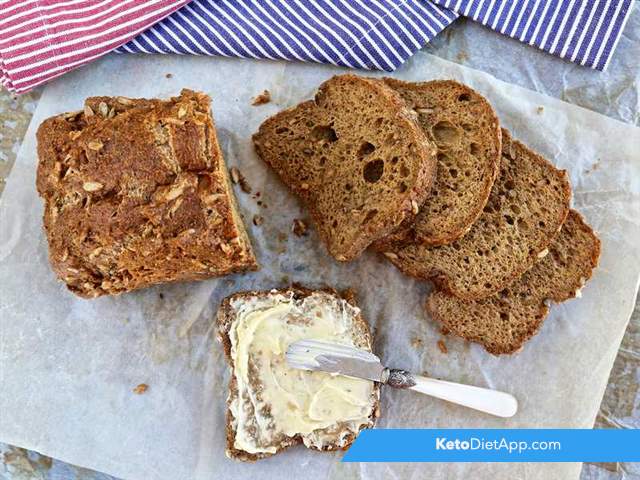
(272, 406)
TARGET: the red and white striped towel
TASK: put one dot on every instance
(43, 39)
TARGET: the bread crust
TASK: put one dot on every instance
(447, 105)
(307, 181)
(136, 192)
(530, 294)
(225, 318)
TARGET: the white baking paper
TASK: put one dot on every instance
(68, 366)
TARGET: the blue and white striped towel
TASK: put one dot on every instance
(379, 34)
(583, 31)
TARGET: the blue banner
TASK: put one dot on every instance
(495, 445)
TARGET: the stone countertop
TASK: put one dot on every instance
(604, 92)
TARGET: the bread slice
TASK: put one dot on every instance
(356, 156)
(503, 322)
(271, 406)
(136, 193)
(528, 204)
(463, 125)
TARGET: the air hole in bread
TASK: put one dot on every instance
(365, 149)
(370, 215)
(323, 160)
(324, 133)
(453, 172)
(281, 130)
(474, 149)
(373, 171)
(504, 316)
(348, 187)
(509, 184)
(465, 97)
(404, 171)
(307, 151)
(402, 187)
(445, 133)
(509, 219)
(467, 127)
(394, 160)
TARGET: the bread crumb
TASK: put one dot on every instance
(539, 110)
(140, 389)
(235, 175)
(442, 346)
(444, 331)
(264, 97)
(239, 179)
(161, 295)
(594, 167)
(169, 75)
(462, 56)
(299, 227)
(416, 342)
(257, 220)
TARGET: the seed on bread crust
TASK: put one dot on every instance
(182, 189)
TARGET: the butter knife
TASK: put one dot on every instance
(318, 355)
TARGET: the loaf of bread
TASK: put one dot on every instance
(272, 406)
(357, 158)
(466, 131)
(136, 193)
(503, 322)
(527, 206)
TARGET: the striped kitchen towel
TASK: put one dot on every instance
(42, 39)
(370, 34)
(583, 31)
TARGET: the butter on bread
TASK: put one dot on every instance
(271, 406)
(136, 193)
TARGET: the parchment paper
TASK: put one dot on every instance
(68, 366)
